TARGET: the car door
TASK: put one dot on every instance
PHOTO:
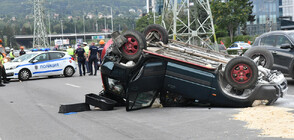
(40, 64)
(282, 57)
(145, 85)
(56, 63)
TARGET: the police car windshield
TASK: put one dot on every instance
(24, 57)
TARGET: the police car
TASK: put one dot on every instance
(40, 63)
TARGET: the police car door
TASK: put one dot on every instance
(40, 63)
(57, 62)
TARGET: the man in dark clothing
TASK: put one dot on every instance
(2, 71)
(93, 58)
(22, 52)
(102, 44)
(80, 52)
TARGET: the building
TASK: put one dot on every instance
(266, 17)
(286, 9)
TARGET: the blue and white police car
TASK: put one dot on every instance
(40, 63)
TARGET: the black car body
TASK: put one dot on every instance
(180, 75)
(281, 45)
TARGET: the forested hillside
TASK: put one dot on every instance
(20, 8)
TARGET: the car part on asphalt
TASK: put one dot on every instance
(79, 107)
(265, 58)
(99, 101)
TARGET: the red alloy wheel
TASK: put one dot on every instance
(241, 73)
(131, 47)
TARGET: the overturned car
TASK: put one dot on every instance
(138, 68)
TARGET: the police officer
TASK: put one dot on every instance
(70, 51)
(22, 52)
(2, 70)
(86, 48)
(11, 54)
(93, 58)
(80, 52)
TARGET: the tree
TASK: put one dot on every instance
(146, 20)
(231, 14)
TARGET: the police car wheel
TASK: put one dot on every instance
(24, 75)
(68, 71)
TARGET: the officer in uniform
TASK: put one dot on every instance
(2, 71)
(86, 48)
(11, 54)
(80, 52)
(70, 51)
(93, 58)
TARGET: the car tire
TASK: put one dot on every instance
(159, 34)
(24, 75)
(68, 71)
(266, 58)
(241, 73)
(134, 47)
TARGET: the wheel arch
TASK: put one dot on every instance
(31, 74)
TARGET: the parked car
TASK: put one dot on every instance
(280, 44)
(40, 63)
(136, 70)
(238, 48)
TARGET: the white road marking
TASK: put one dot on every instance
(72, 85)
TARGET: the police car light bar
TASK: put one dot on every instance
(42, 49)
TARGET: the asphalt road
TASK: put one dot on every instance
(29, 111)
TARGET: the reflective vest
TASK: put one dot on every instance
(1, 59)
(86, 48)
(70, 51)
(11, 55)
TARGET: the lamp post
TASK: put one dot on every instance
(61, 31)
(111, 16)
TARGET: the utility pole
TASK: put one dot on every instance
(49, 29)
(105, 23)
(40, 35)
(61, 30)
(84, 28)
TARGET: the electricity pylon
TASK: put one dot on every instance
(189, 21)
(40, 35)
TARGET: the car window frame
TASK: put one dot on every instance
(39, 55)
(265, 38)
(55, 58)
(284, 36)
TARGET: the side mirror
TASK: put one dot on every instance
(286, 46)
(34, 61)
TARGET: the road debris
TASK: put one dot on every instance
(273, 121)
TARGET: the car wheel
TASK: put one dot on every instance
(68, 71)
(266, 59)
(134, 47)
(241, 73)
(155, 33)
(24, 75)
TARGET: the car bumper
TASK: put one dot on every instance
(11, 74)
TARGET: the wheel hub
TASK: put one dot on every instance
(241, 73)
(131, 47)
